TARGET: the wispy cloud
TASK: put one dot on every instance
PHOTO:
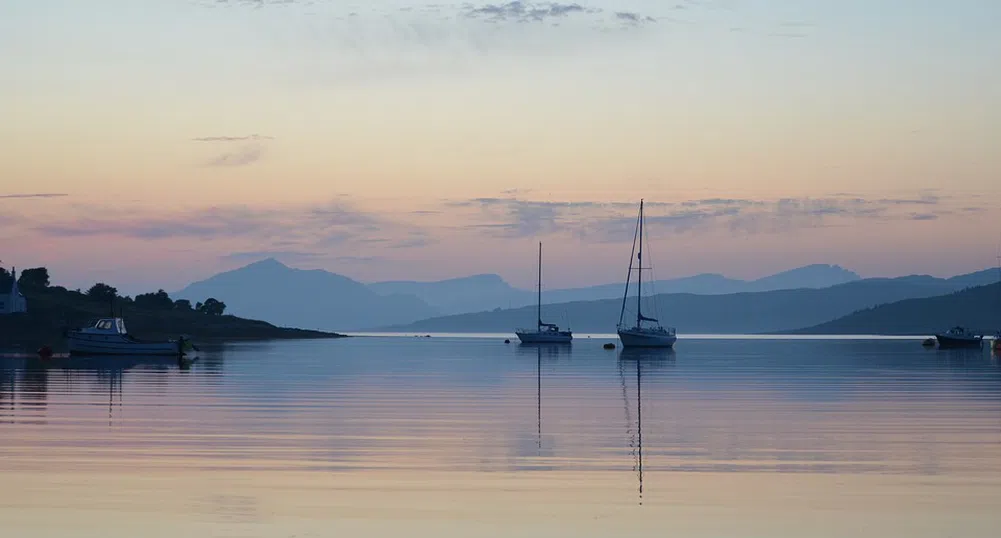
(33, 195)
(251, 150)
(290, 256)
(322, 224)
(359, 260)
(241, 157)
(515, 218)
(633, 18)
(232, 138)
(256, 3)
(519, 11)
(366, 43)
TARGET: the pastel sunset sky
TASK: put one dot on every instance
(152, 143)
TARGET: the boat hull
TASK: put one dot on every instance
(531, 337)
(647, 339)
(949, 342)
(91, 346)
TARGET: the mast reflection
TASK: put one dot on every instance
(641, 359)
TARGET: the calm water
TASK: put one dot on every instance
(471, 437)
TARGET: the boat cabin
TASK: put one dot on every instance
(106, 326)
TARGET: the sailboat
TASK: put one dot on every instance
(544, 333)
(640, 335)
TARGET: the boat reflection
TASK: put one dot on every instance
(24, 381)
(550, 352)
(648, 358)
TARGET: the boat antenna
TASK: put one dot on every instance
(629, 273)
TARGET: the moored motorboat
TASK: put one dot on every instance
(959, 337)
(108, 336)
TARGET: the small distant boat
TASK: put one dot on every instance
(544, 333)
(108, 336)
(959, 337)
(653, 334)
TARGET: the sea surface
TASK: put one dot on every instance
(460, 436)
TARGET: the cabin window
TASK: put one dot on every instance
(104, 325)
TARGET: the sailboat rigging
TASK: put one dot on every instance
(544, 333)
(653, 334)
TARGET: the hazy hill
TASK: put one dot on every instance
(810, 276)
(753, 312)
(486, 292)
(457, 295)
(309, 299)
(977, 308)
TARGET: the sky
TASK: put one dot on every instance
(150, 144)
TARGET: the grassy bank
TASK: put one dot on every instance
(51, 310)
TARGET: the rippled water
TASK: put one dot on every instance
(471, 437)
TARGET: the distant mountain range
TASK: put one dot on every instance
(317, 299)
(487, 292)
(736, 313)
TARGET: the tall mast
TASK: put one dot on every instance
(538, 310)
(639, 275)
(629, 273)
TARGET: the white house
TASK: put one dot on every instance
(13, 302)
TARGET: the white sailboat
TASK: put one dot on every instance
(544, 333)
(639, 335)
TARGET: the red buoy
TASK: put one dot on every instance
(45, 352)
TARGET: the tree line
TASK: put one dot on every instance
(37, 278)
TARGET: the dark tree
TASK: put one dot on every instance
(154, 301)
(213, 307)
(37, 278)
(5, 280)
(102, 292)
(182, 304)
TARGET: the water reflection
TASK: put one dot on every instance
(442, 430)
